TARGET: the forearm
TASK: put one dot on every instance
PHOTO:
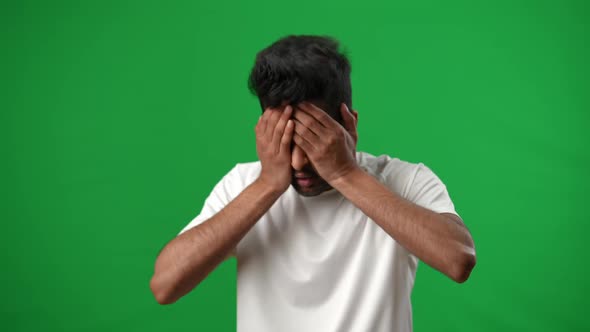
(435, 239)
(191, 256)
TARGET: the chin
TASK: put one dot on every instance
(311, 191)
(308, 193)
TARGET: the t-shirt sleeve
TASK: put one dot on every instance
(223, 193)
(428, 191)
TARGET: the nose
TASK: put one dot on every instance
(299, 159)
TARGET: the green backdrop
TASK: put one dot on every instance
(118, 117)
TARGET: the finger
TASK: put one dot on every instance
(348, 118)
(303, 144)
(257, 126)
(271, 123)
(310, 122)
(303, 131)
(322, 117)
(280, 127)
(287, 138)
(264, 120)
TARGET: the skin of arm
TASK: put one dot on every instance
(440, 240)
(192, 255)
(189, 258)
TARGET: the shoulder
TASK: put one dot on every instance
(396, 173)
(415, 182)
(237, 178)
(243, 174)
(247, 170)
(384, 164)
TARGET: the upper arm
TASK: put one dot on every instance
(224, 191)
(427, 190)
(219, 197)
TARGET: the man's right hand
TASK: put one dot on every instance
(190, 257)
(274, 133)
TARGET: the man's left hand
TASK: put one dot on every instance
(330, 147)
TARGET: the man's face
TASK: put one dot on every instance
(305, 180)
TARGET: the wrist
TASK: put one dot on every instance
(269, 187)
(348, 178)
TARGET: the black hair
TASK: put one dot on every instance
(302, 68)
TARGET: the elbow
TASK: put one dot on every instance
(462, 268)
(160, 294)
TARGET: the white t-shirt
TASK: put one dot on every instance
(319, 263)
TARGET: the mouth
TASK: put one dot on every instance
(305, 180)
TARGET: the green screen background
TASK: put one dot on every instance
(118, 117)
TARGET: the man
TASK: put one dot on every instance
(326, 238)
